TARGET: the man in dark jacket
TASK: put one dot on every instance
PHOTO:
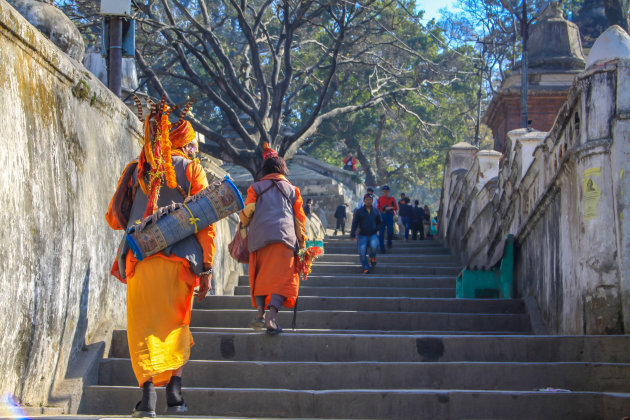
(341, 214)
(368, 222)
(406, 214)
(417, 220)
(308, 207)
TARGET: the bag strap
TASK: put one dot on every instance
(275, 182)
(265, 190)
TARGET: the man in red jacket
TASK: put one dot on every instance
(388, 208)
(349, 162)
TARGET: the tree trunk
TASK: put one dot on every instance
(370, 179)
(616, 13)
(380, 167)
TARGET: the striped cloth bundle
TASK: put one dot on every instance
(170, 224)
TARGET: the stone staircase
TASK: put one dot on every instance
(394, 344)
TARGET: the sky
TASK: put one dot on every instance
(432, 7)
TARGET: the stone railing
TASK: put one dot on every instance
(563, 195)
(65, 141)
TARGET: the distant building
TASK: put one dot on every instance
(555, 58)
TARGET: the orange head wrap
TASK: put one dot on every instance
(268, 152)
(182, 134)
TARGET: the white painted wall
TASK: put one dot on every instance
(563, 195)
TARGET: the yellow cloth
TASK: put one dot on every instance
(159, 302)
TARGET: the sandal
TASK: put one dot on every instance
(274, 331)
(257, 323)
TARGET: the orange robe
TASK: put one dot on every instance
(160, 292)
(272, 269)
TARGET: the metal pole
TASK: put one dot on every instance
(481, 69)
(524, 66)
(115, 55)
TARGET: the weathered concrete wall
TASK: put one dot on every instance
(562, 194)
(65, 140)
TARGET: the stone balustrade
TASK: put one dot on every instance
(562, 194)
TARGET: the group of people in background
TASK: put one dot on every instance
(373, 223)
(415, 219)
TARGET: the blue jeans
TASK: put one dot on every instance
(388, 222)
(406, 221)
(363, 243)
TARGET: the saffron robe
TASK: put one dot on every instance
(160, 291)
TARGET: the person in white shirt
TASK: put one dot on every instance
(370, 190)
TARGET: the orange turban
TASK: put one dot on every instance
(182, 135)
(268, 152)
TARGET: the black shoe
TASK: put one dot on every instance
(373, 261)
(146, 406)
(366, 271)
(174, 401)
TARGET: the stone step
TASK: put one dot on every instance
(347, 331)
(255, 346)
(599, 377)
(380, 269)
(439, 260)
(373, 404)
(426, 243)
(368, 280)
(367, 320)
(448, 292)
(352, 249)
(378, 304)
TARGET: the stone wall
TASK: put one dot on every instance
(65, 141)
(349, 180)
(563, 195)
(341, 187)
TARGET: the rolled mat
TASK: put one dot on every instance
(170, 224)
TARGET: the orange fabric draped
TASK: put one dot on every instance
(159, 303)
(272, 271)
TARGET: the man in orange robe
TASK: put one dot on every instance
(275, 216)
(160, 288)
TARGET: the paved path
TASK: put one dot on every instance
(394, 344)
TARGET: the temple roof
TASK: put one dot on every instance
(554, 42)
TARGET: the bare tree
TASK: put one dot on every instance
(265, 70)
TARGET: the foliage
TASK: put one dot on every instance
(270, 70)
(86, 16)
(403, 141)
